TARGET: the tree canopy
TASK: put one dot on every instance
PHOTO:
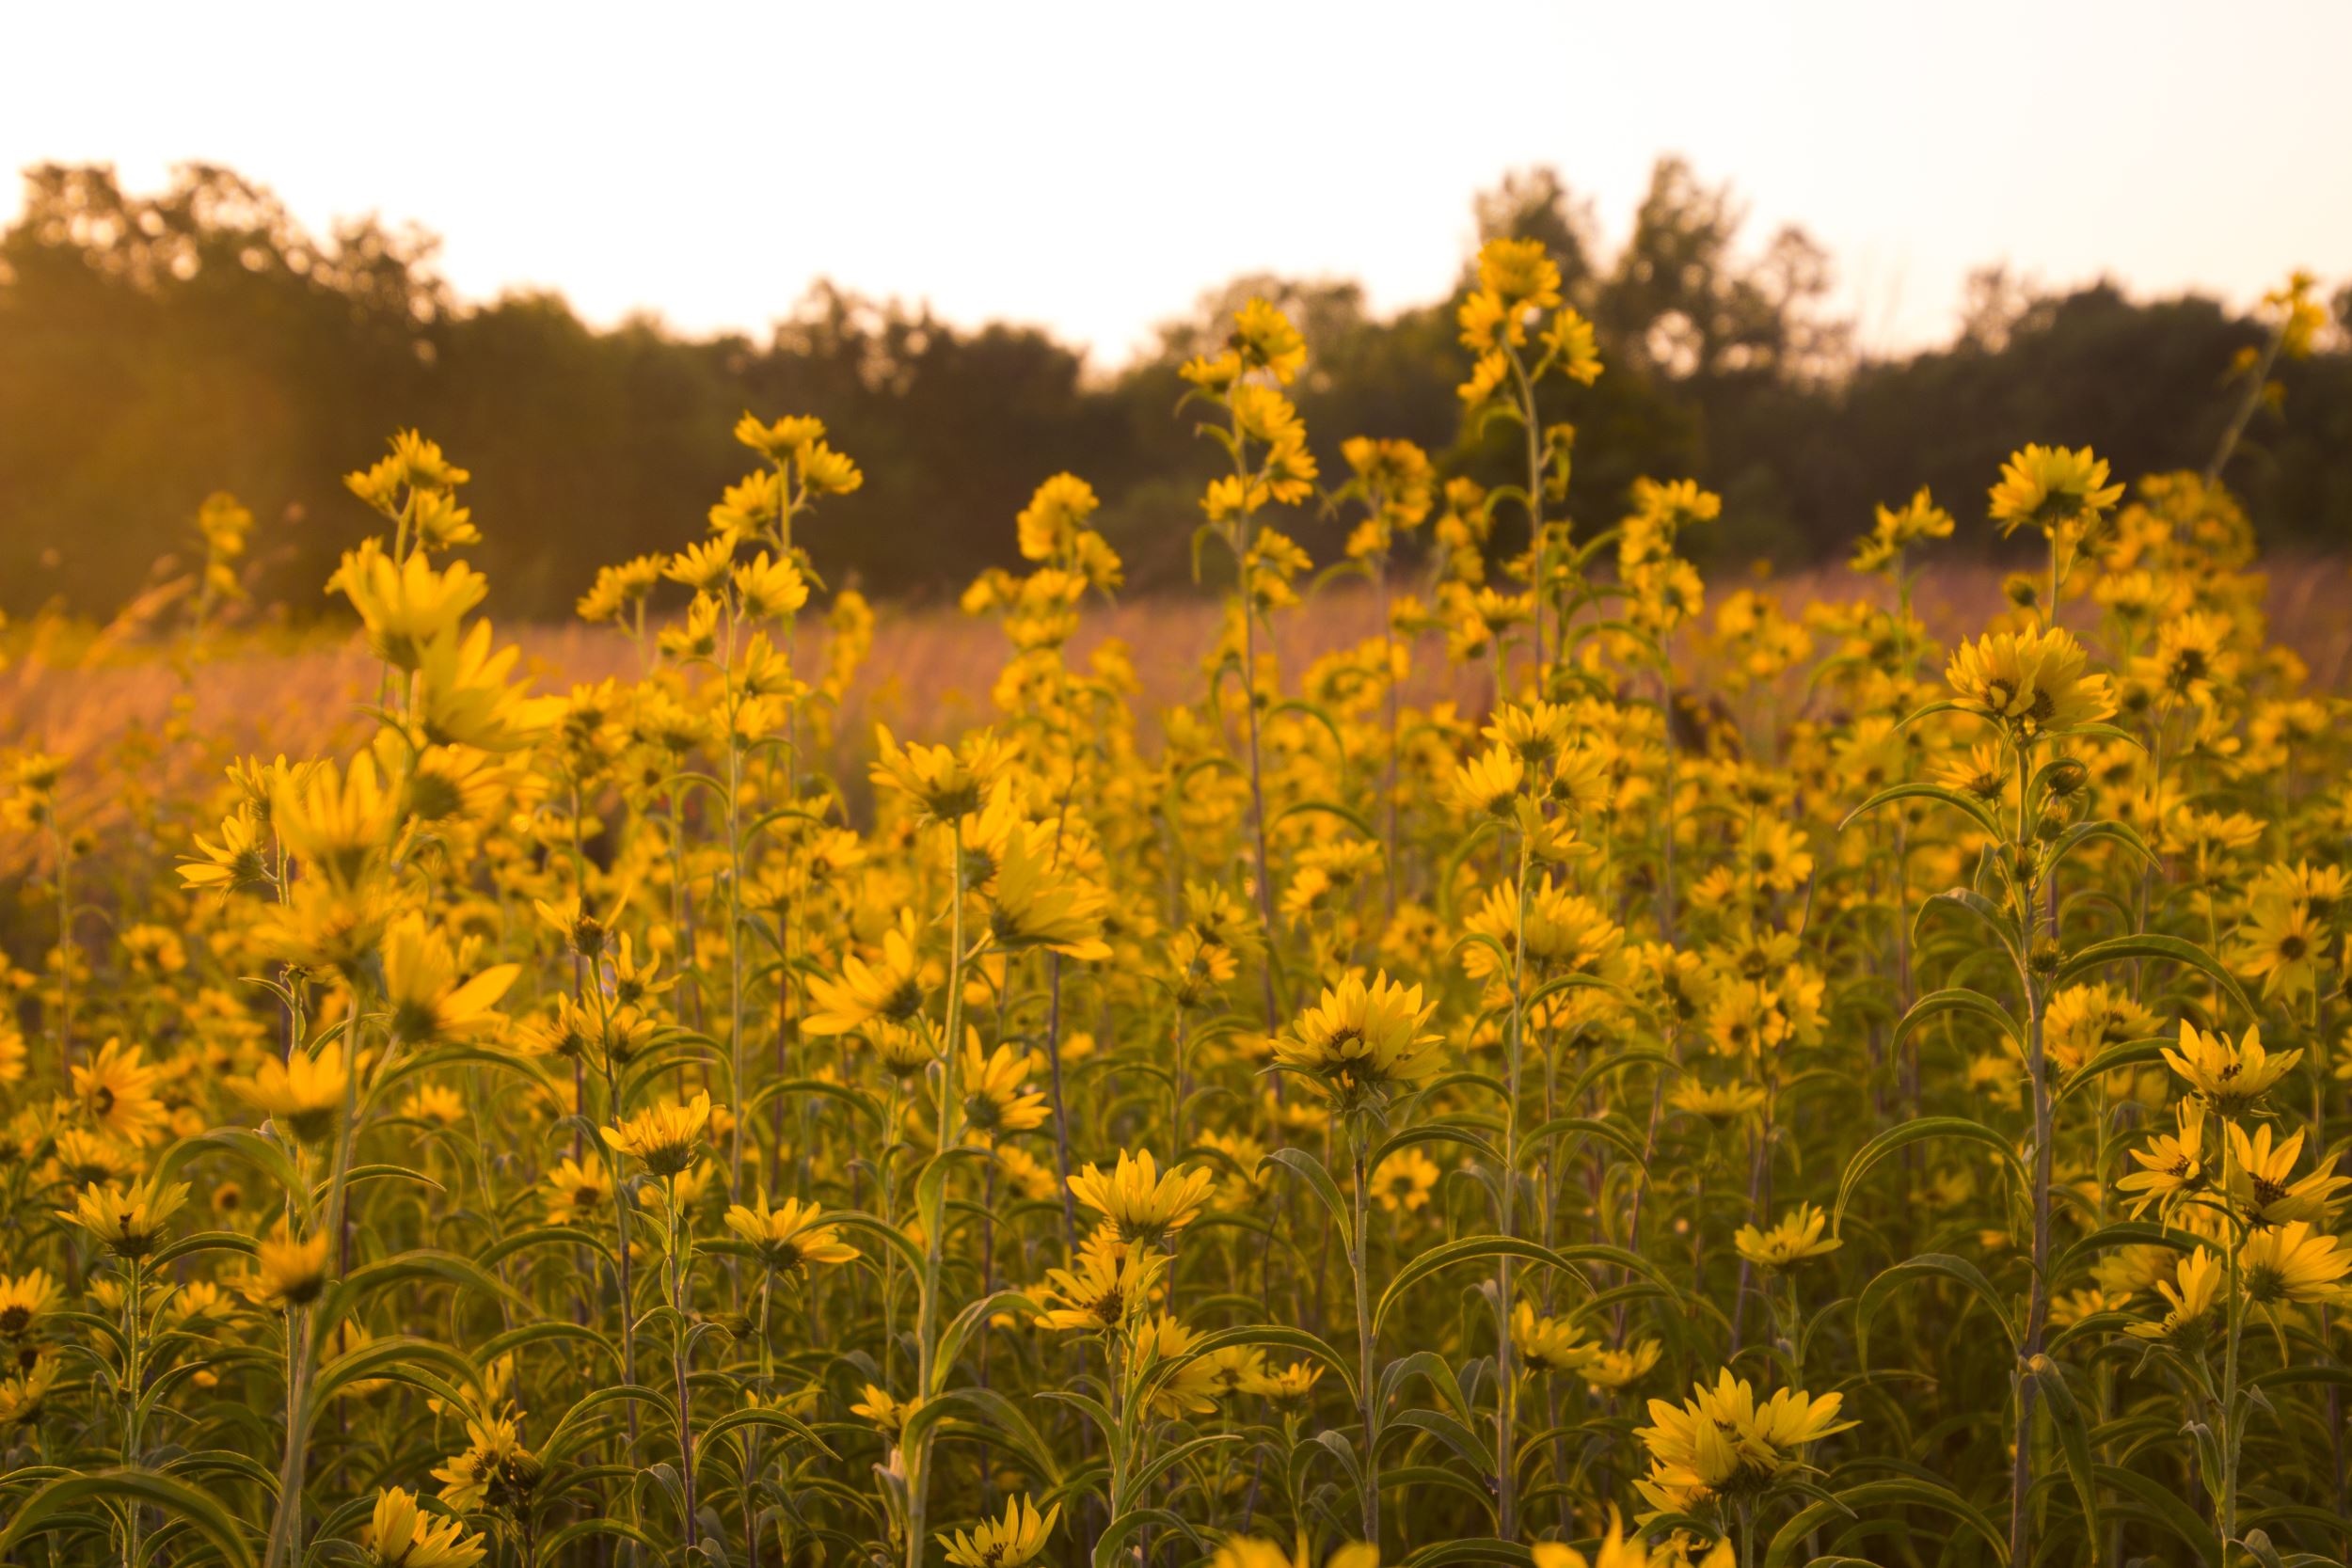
(155, 348)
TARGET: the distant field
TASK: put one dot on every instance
(931, 666)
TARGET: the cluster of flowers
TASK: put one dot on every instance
(1764, 1088)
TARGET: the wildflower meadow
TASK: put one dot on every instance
(1605, 1069)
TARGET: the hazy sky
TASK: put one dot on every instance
(1093, 166)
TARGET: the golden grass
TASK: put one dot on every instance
(929, 674)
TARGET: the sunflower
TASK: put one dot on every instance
(335, 822)
(2229, 1077)
(1796, 1238)
(2262, 1184)
(494, 1471)
(1723, 1104)
(1623, 1367)
(1720, 1443)
(1489, 783)
(1018, 1537)
(667, 1137)
(1200, 968)
(1619, 1550)
(24, 1394)
(1403, 1181)
(287, 1273)
(1141, 1202)
(2059, 490)
(24, 1299)
(576, 1189)
(890, 991)
(1181, 1382)
(1036, 903)
(2171, 1167)
(789, 1237)
(238, 858)
(945, 783)
(1113, 1282)
(399, 1535)
(304, 1093)
(2295, 1263)
(116, 1092)
(2030, 682)
(1361, 1042)
(888, 1413)
(998, 1099)
(407, 604)
(429, 1004)
(1564, 932)
(2281, 946)
(1549, 1344)
(129, 1222)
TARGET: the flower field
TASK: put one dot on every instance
(1502, 1051)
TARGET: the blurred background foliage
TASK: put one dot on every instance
(155, 348)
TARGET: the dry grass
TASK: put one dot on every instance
(928, 676)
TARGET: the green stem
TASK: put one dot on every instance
(932, 1209)
(1506, 1397)
(1360, 1261)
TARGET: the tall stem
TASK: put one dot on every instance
(681, 1263)
(1507, 1394)
(2225, 1512)
(2038, 1072)
(1360, 1261)
(286, 1525)
(932, 1210)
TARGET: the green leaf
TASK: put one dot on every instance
(739, 1420)
(2165, 1506)
(1274, 1337)
(2086, 832)
(1006, 1422)
(881, 1230)
(1553, 987)
(1946, 707)
(1936, 1263)
(1959, 998)
(2123, 1233)
(1446, 1553)
(2128, 1053)
(580, 1529)
(203, 1240)
(406, 1268)
(1310, 1169)
(856, 1100)
(1431, 1132)
(1981, 909)
(574, 1429)
(1967, 805)
(967, 1323)
(270, 1157)
(534, 1334)
(380, 1173)
(1177, 1455)
(1911, 1133)
(1471, 1249)
(1110, 1548)
(1584, 1127)
(397, 1358)
(1904, 1492)
(139, 1488)
(2154, 944)
(2066, 1418)
(545, 1235)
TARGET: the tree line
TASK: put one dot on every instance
(155, 348)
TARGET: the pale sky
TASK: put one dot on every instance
(1093, 167)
